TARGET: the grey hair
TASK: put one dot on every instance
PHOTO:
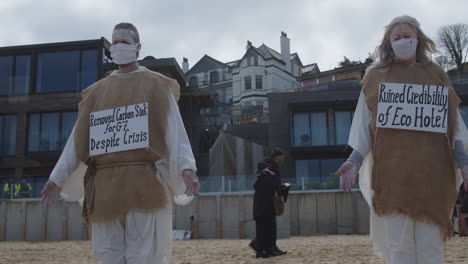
(384, 55)
(130, 27)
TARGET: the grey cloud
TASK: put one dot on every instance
(320, 31)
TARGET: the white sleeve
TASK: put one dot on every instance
(460, 143)
(185, 158)
(179, 157)
(462, 132)
(67, 163)
(359, 136)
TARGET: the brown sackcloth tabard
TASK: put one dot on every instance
(414, 172)
(118, 182)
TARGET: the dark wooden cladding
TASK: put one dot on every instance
(50, 102)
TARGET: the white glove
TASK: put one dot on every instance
(191, 182)
(348, 172)
(50, 193)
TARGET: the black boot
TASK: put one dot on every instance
(253, 245)
(275, 251)
(262, 254)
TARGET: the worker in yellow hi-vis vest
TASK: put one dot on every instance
(25, 189)
(12, 189)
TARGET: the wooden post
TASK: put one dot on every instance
(355, 212)
(64, 220)
(84, 230)
(44, 222)
(3, 207)
(241, 217)
(23, 221)
(196, 217)
(219, 232)
(174, 216)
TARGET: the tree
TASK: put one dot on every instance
(453, 39)
(347, 62)
(445, 62)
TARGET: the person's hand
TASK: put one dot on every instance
(348, 172)
(191, 181)
(50, 192)
(465, 177)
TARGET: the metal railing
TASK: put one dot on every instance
(244, 183)
(459, 78)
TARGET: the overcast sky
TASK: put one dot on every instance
(320, 31)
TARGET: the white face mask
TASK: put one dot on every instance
(123, 53)
(405, 48)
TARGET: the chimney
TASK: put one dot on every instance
(249, 44)
(185, 65)
(285, 51)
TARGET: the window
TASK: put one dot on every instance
(205, 78)
(49, 131)
(301, 127)
(255, 60)
(193, 81)
(14, 75)
(88, 68)
(223, 98)
(214, 77)
(249, 62)
(8, 124)
(315, 173)
(343, 120)
(224, 75)
(248, 82)
(258, 81)
(6, 74)
(66, 70)
(310, 129)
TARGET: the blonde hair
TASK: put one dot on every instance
(384, 55)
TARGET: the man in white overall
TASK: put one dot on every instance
(130, 135)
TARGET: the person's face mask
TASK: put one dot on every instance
(405, 48)
(122, 53)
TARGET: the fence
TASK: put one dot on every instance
(213, 215)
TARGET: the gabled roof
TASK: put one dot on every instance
(250, 52)
(296, 56)
(233, 63)
(310, 69)
(266, 52)
(205, 64)
(269, 53)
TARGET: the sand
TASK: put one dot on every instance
(315, 249)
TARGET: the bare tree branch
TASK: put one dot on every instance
(453, 40)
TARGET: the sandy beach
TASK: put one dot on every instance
(314, 249)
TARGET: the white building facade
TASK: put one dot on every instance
(244, 84)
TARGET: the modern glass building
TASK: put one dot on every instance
(40, 88)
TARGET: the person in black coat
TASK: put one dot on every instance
(267, 184)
